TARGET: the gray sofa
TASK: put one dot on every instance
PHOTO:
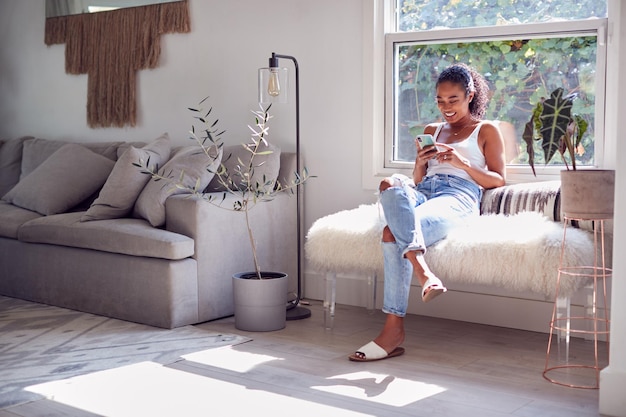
(127, 265)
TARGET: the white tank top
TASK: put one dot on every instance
(468, 148)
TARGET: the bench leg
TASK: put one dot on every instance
(563, 311)
(371, 292)
(329, 299)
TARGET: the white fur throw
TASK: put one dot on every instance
(520, 252)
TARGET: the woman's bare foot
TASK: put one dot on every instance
(431, 285)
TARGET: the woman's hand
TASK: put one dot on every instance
(448, 155)
(425, 155)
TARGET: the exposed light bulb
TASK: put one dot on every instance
(273, 85)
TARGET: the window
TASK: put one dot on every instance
(525, 49)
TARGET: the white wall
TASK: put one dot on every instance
(613, 378)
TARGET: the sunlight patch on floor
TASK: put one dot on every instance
(230, 359)
(380, 388)
(150, 389)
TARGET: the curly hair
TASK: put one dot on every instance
(472, 81)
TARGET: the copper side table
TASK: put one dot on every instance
(577, 364)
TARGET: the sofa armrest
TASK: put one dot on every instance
(222, 246)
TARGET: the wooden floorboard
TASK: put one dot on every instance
(450, 368)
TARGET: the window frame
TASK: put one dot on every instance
(379, 46)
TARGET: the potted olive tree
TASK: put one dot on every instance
(585, 193)
(260, 297)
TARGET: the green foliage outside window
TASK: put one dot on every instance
(416, 15)
(519, 72)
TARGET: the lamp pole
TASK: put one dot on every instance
(294, 311)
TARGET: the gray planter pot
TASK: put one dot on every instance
(260, 304)
(588, 194)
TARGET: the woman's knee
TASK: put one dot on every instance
(385, 183)
(387, 235)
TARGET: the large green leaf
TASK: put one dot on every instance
(555, 117)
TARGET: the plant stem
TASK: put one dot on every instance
(257, 269)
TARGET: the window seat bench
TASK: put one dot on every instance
(515, 244)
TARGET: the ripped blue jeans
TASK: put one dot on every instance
(419, 216)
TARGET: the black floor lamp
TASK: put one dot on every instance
(273, 89)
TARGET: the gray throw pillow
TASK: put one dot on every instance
(196, 167)
(11, 163)
(119, 193)
(267, 165)
(66, 178)
(124, 147)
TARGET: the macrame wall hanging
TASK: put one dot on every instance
(110, 47)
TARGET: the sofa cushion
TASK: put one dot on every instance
(197, 169)
(12, 217)
(127, 236)
(11, 163)
(119, 193)
(36, 151)
(66, 178)
(266, 166)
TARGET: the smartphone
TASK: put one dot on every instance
(424, 140)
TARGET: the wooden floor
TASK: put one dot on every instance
(450, 368)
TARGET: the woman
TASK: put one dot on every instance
(468, 157)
